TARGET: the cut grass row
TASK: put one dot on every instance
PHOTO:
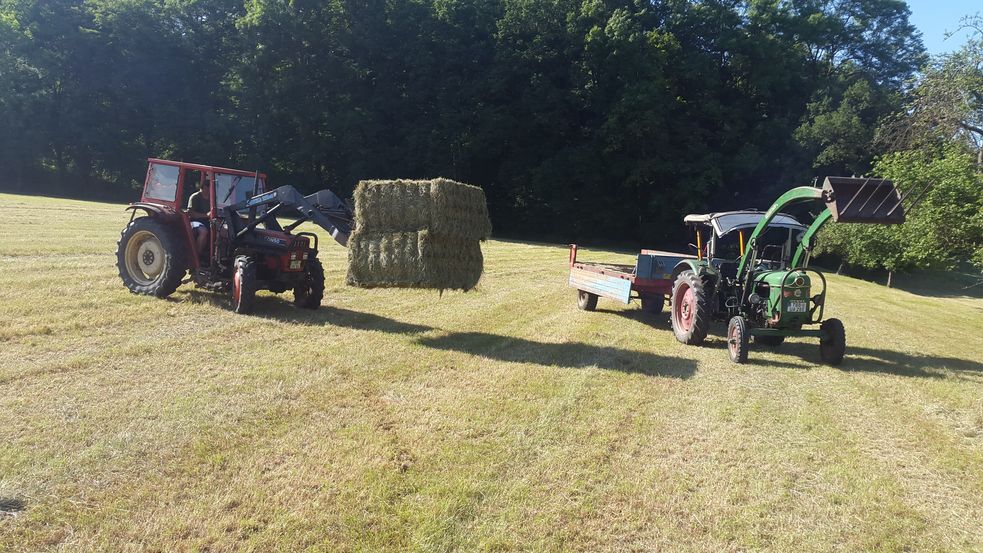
(501, 419)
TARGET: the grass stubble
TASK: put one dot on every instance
(501, 419)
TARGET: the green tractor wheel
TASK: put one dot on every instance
(737, 340)
(832, 343)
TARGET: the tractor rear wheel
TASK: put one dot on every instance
(244, 284)
(832, 342)
(586, 301)
(150, 258)
(737, 339)
(690, 304)
(309, 293)
(652, 304)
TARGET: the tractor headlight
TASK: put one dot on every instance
(306, 255)
(799, 281)
(293, 256)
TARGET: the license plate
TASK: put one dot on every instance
(295, 265)
(798, 306)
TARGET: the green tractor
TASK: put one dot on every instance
(768, 291)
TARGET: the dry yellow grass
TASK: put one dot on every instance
(502, 419)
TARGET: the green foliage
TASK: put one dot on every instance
(582, 119)
(946, 228)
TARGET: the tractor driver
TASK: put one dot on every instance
(199, 208)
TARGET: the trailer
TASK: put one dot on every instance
(649, 280)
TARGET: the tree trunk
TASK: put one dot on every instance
(890, 278)
(840, 269)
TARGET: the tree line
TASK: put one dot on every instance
(588, 120)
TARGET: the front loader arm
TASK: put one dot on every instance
(804, 250)
(323, 208)
(793, 196)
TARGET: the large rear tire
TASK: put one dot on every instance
(150, 258)
(586, 301)
(737, 340)
(690, 304)
(308, 294)
(244, 285)
(832, 342)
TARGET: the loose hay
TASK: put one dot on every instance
(418, 234)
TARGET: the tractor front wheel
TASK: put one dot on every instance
(737, 340)
(690, 305)
(832, 342)
(244, 285)
(149, 257)
(586, 301)
(652, 304)
(309, 293)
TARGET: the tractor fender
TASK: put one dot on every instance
(150, 209)
(177, 218)
(698, 266)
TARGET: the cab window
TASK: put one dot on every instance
(233, 189)
(162, 182)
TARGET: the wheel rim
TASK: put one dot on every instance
(144, 257)
(684, 308)
(236, 287)
(733, 340)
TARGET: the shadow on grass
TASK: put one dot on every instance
(888, 361)
(570, 355)
(277, 308)
(10, 506)
(281, 308)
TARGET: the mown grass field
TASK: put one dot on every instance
(502, 419)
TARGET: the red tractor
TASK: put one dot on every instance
(235, 243)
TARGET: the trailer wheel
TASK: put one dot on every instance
(150, 258)
(690, 309)
(244, 285)
(737, 340)
(832, 342)
(653, 303)
(309, 293)
(586, 301)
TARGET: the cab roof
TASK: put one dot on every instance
(729, 221)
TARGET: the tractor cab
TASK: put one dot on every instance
(721, 238)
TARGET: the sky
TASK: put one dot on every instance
(934, 17)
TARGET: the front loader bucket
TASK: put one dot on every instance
(861, 200)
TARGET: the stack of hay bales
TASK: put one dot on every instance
(418, 234)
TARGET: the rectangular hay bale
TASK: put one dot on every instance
(442, 206)
(414, 260)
